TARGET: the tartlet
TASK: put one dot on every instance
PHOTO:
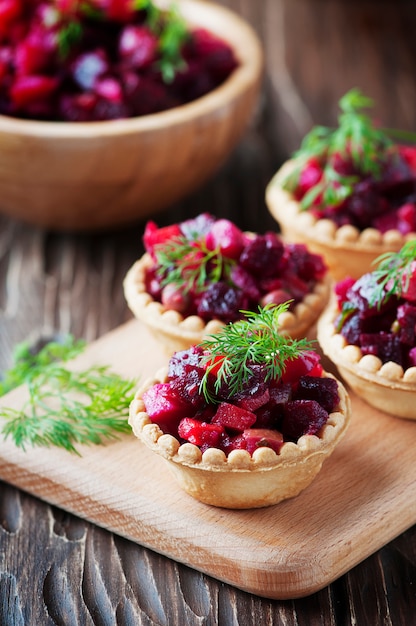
(374, 346)
(178, 327)
(254, 468)
(344, 204)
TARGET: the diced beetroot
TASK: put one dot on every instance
(200, 433)
(412, 357)
(227, 237)
(277, 296)
(254, 401)
(233, 417)
(10, 10)
(27, 89)
(262, 437)
(341, 290)
(302, 417)
(261, 255)
(280, 394)
(407, 217)
(409, 155)
(221, 301)
(154, 236)
(165, 407)
(109, 88)
(310, 176)
(175, 298)
(323, 390)
(308, 363)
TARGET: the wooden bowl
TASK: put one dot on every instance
(83, 176)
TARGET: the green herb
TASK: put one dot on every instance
(233, 351)
(393, 273)
(356, 139)
(68, 37)
(65, 407)
(190, 264)
(171, 39)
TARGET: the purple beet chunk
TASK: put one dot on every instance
(323, 390)
(221, 301)
(302, 417)
(384, 345)
(262, 255)
(197, 227)
(165, 407)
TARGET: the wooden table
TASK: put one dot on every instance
(58, 569)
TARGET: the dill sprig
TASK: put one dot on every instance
(190, 265)
(393, 273)
(232, 352)
(64, 407)
(356, 139)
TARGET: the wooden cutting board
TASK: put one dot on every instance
(364, 496)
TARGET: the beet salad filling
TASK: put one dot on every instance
(244, 388)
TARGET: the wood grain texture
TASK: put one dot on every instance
(56, 568)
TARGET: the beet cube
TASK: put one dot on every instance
(302, 417)
(307, 363)
(165, 407)
(255, 400)
(323, 390)
(200, 433)
(233, 417)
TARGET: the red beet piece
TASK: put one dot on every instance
(200, 433)
(302, 417)
(233, 417)
(323, 390)
(307, 363)
(165, 407)
(227, 237)
(154, 236)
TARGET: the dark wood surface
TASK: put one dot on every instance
(58, 569)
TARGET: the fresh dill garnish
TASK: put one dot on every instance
(172, 36)
(64, 407)
(393, 273)
(356, 139)
(190, 265)
(232, 352)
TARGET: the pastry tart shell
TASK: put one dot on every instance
(176, 332)
(346, 250)
(386, 387)
(241, 481)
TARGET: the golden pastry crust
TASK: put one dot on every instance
(177, 332)
(346, 250)
(387, 386)
(241, 481)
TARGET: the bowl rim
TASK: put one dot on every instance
(195, 12)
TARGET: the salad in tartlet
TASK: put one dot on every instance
(198, 275)
(369, 332)
(246, 418)
(349, 192)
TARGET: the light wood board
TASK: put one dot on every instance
(364, 496)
